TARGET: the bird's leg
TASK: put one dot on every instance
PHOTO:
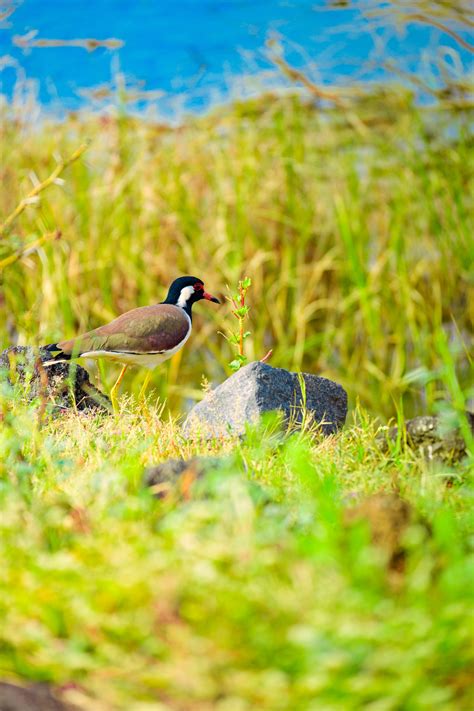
(141, 394)
(115, 388)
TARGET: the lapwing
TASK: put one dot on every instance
(145, 336)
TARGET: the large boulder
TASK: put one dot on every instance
(258, 388)
(64, 385)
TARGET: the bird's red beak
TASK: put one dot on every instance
(209, 297)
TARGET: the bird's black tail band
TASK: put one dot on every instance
(56, 354)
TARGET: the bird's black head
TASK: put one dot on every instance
(185, 291)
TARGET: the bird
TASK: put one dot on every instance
(145, 336)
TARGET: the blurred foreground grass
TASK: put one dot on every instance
(250, 593)
(355, 226)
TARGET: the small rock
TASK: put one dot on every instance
(428, 435)
(37, 697)
(257, 388)
(176, 476)
(53, 380)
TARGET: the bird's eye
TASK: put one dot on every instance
(198, 287)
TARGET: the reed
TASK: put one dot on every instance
(359, 246)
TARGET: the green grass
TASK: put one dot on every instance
(253, 592)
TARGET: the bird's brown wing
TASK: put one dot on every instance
(148, 329)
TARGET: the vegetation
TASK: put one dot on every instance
(251, 592)
(358, 240)
(241, 311)
(265, 585)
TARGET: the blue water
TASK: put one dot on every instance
(193, 51)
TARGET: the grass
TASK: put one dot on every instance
(358, 240)
(253, 591)
(250, 593)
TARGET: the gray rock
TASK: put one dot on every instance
(258, 388)
(65, 385)
(37, 697)
(427, 434)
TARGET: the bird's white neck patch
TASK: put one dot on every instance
(185, 295)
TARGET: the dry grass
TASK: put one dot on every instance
(359, 247)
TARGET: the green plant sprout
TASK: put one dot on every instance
(240, 310)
